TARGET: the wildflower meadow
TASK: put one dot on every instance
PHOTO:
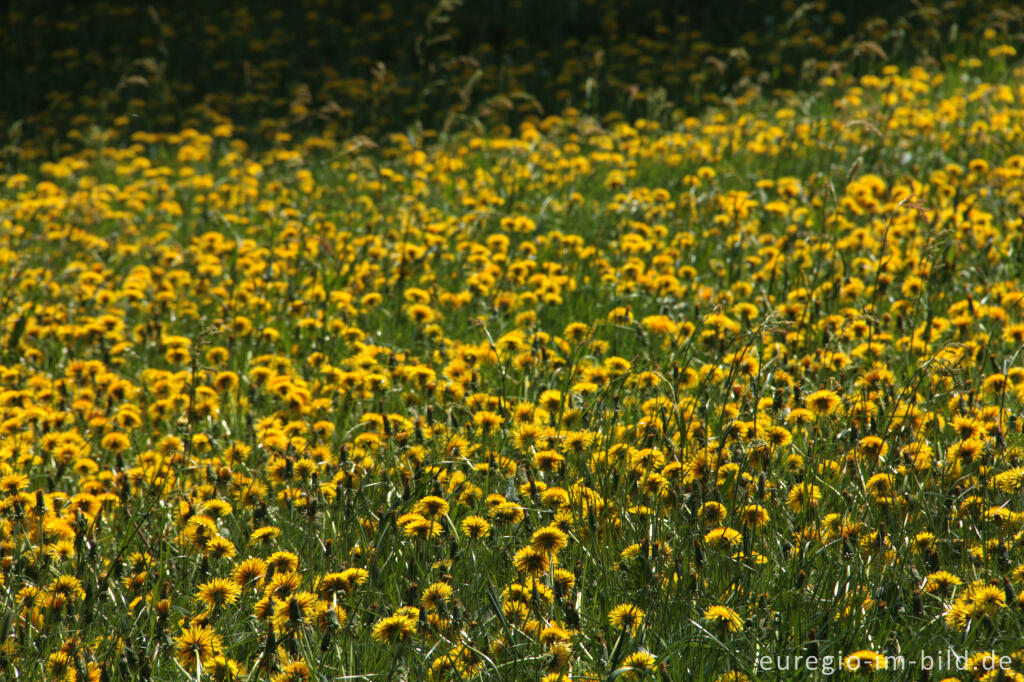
(512, 341)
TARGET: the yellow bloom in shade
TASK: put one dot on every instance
(658, 324)
(864, 660)
(529, 560)
(476, 527)
(435, 595)
(396, 628)
(487, 421)
(754, 516)
(283, 562)
(218, 592)
(576, 442)
(65, 589)
(250, 572)
(576, 332)
(516, 611)
(264, 608)
(564, 579)
(12, 483)
(60, 666)
(294, 671)
(345, 581)
(620, 315)
(199, 530)
(264, 536)
(197, 643)
(225, 381)
(431, 506)
(872, 448)
(510, 512)
(423, 529)
(283, 584)
(442, 667)
(553, 634)
(220, 548)
(994, 384)
(224, 669)
(297, 610)
(732, 676)
(639, 664)
(985, 598)
(723, 537)
(823, 402)
(550, 400)
(548, 460)
(712, 513)
(617, 366)
(724, 618)
(115, 442)
(800, 417)
(802, 497)
(549, 539)
(626, 616)
(778, 436)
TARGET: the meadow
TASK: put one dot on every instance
(388, 343)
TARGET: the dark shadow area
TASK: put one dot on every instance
(347, 68)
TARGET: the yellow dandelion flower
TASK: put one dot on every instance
(626, 616)
(723, 537)
(218, 592)
(723, 618)
(530, 560)
(431, 506)
(823, 403)
(475, 527)
(549, 539)
(392, 629)
(803, 497)
(197, 644)
(864, 660)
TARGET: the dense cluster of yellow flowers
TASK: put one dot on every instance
(586, 398)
